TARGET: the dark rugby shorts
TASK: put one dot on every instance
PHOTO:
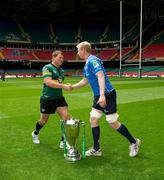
(111, 106)
(49, 106)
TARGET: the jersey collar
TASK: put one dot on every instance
(55, 66)
(88, 58)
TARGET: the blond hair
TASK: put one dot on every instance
(85, 45)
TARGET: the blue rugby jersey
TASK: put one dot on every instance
(92, 66)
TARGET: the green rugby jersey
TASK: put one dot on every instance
(56, 74)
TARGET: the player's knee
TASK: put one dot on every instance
(43, 119)
(112, 119)
(94, 122)
(65, 116)
(42, 122)
(95, 114)
(115, 125)
(94, 117)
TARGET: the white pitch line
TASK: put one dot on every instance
(3, 116)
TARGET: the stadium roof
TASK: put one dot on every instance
(73, 9)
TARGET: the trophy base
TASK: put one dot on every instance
(73, 158)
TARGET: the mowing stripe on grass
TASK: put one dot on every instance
(123, 96)
(82, 100)
(142, 94)
(138, 82)
(3, 116)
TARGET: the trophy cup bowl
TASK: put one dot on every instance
(71, 131)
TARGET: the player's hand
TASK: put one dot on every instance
(67, 87)
(73, 86)
(102, 101)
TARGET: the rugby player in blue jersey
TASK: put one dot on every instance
(104, 100)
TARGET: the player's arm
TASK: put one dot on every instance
(80, 84)
(101, 82)
(55, 84)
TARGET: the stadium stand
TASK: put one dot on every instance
(45, 55)
(65, 32)
(160, 38)
(42, 55)
(16, 54)
(9, 31)
(154, 50)
(129, 32)
(108, 53)
(69, 55)
(32, 31)
(92, 32)
(38, 32)
(113, 33)
(41, 38)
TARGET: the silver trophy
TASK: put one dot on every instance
(71, 130)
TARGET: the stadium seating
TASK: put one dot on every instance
(92, 31)
(9, 31)
(38, 32)
(113, 53)
(44, 32)
(154, 50)
(25, 54)
(45, 55)
(16, 54)
(42, 54)
(108, 53)
(69, 55)
(125, 51)
(113, 34)
(129, 31)
(66, 32)
(159, 39)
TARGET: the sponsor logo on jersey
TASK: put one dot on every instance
(106, 111)
(47, 73)
(95, 63)
(60, 80)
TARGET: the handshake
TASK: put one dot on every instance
(67, 87)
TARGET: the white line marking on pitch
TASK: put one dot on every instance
(3, 116)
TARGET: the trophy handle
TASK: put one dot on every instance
(83, 140)
(64, 135)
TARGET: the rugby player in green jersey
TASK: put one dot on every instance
(52, 100)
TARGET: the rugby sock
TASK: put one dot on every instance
(38, 128)
(96, 136)
(62, 138)
(124, 131)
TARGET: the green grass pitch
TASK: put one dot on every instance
(141, 109)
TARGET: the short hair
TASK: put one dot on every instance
(86, 45)
(56, 53)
